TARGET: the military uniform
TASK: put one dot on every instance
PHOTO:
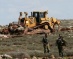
(60, 43)
(45, 45)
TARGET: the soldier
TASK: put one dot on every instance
(60, 43)
(45, 44)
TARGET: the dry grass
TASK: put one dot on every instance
(32, 44)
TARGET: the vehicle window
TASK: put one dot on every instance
(41, 15)
(35, 14)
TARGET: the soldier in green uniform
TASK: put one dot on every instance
(45, 44)
(60, 43)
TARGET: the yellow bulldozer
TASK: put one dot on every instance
(38, 19)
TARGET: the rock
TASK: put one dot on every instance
(34, 57)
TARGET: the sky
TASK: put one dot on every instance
(9, 9)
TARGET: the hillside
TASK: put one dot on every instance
(32, 44)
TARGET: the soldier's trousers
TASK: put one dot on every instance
(60, 51)
(46, 48)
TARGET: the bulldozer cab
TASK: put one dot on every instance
(38, 15)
